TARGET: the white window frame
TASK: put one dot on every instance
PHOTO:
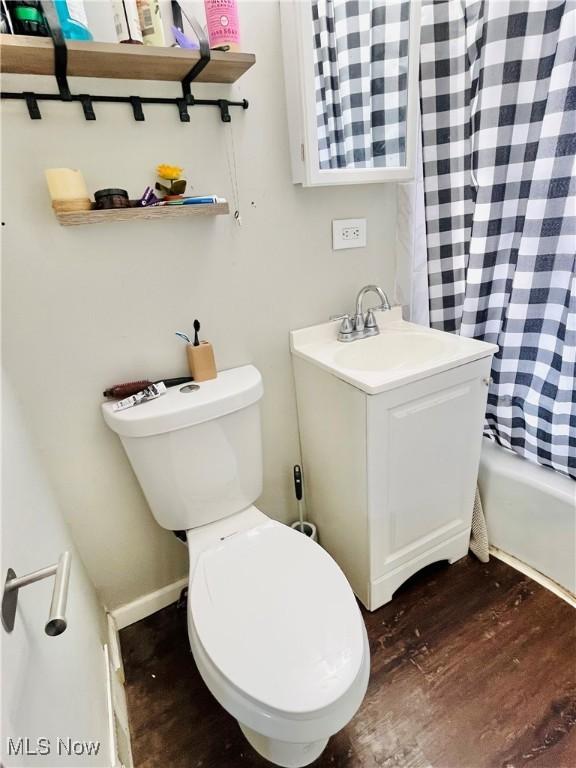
(298, 54)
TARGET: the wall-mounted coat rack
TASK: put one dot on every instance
(28, 55)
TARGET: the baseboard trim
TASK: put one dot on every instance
(130, 613)
(118, 708)
(114, 761)
(535, 575)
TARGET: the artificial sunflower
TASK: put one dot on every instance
(169, 172)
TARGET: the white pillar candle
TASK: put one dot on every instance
(66, 184)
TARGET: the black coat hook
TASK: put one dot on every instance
(137, 108)
(32, 104)
(87, 107)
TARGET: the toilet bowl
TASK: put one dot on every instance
(276, 634)
(273, 624)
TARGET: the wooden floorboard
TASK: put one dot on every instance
(472, 666)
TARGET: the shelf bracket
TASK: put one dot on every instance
(195, 71)
(204, 52)
(60, 49)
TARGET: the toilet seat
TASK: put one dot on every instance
(276, 562)
(276, 616)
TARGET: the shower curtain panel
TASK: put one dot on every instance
(498, 101)
(361, 71)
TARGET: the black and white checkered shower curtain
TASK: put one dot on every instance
(361, 71)
(498, 99)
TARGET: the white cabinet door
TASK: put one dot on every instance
(54, 689)
(424, 448)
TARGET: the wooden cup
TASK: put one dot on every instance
(201, 361)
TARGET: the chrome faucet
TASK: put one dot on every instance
(361, 325)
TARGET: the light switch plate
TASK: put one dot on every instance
(348, 233)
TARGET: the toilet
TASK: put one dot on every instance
(273, 624)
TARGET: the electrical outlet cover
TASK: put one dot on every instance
(348, 233)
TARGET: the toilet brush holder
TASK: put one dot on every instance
(308, 529)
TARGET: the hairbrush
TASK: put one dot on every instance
(120, 391)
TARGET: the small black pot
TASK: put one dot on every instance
(111, 198)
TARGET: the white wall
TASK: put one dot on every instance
(90, 306)
(52, 686)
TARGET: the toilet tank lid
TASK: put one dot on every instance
(232, 390)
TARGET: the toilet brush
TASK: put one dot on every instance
(301, 525)
(298, 492)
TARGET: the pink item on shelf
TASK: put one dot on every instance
(223, 24)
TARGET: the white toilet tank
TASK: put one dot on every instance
(196, 451)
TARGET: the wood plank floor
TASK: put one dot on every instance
(473, 666)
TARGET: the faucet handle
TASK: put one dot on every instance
(370, 320)
(347, 325)
(346, 330)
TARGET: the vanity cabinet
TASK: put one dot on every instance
(391, 477)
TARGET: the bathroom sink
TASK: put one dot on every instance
(401, 353)
(391, 349)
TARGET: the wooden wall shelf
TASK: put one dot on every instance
(24, 55)
(76, 218)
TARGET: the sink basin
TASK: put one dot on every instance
(401, 353)
(391, 349)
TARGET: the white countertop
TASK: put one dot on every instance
(403, 352)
